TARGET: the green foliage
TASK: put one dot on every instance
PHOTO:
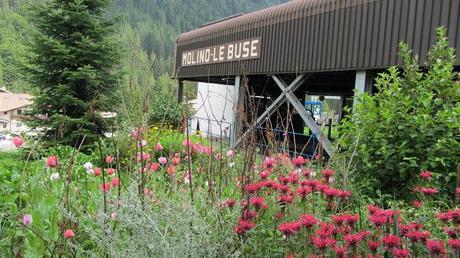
(412, 124)
(15, 30)
(73, 67)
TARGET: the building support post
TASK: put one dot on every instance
(180, 91)
(362, 84)
(238, 105)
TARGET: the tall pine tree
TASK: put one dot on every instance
(73, 66)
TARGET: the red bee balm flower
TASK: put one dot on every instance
(401, 253)
(298, 162)
(290, 228)
(308, 220)
(454, 244)
(429, 191)
(323, 243)
(435, 247)
(69, 234)
(391, 241)
(327, 173)
(258, 202)
(230, 203)
(243, 226)
(426, 175)
(373, 245)
(52, 162)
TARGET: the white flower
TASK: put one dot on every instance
(231, 164)
(54, 176)
(90, 171)
(88, 166)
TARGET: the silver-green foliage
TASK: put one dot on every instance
(167, 228)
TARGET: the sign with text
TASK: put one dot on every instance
(235, 51)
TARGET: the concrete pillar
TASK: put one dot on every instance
(363, 83)
(238, 98)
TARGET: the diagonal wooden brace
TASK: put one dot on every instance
(274, 106)
(306, 117)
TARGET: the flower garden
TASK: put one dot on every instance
(74, 205)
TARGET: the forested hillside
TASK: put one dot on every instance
(147, 31)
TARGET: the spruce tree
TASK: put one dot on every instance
(73, 65)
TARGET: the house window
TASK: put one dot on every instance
(19, 111)
(18, 124)
(5, 113)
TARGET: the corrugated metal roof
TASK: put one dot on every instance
(325, 35)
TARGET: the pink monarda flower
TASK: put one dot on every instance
(27, 219)
(454, 244)
(428, 191)
(418, 236)
(299, 161)
(218, 156)
(340, 252)
(401, 253)
(115, 181)
(308, 220)
(230, 203)
(391, 241)
(158, 147)
(328, 173)
(163, 160)
(417, 204)
(105, 187)
(435, 247)
(114, 216)
(69, 234)
(110, 171)
(18, 141)
(230, 154)
(373, 245)
(264, 174)
(269, 162)
(290, 228)
(258, 203)
(52, 161)
(244, 226)
(108, 159)
(426, 175)
(97, 171)
(303, 191)
(283, 199)
(323, 243)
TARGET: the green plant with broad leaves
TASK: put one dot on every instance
(411, 124)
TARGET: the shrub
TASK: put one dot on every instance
(411, 124)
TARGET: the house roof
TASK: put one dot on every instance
(11, 101)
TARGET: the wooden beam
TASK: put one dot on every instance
(306, 117)
(274, 106)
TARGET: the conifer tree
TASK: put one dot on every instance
(73, 65)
